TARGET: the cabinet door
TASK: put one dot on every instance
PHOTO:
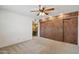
(45, 29)
(52, 29)
(70, 30)
(56, 30)
(48, 30)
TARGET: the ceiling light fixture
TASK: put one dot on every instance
(43, 10)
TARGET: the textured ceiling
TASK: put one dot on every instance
(25, 9)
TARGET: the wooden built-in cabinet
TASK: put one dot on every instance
(61, 29)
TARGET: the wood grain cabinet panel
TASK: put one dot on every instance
(52, 30)
(70, 30)
(65, 29)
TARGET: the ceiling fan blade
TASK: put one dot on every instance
(46, 13)
(50, 9)
(43, 8)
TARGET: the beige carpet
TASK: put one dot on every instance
(39, 45)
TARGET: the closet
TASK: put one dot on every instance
(58, 28)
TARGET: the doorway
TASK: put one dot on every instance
(34, 28)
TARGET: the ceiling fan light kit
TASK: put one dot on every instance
(43, 10)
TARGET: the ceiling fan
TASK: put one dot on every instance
(43, 10)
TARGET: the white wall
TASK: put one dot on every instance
(14, 28)
(38, 29)
(78, 30)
